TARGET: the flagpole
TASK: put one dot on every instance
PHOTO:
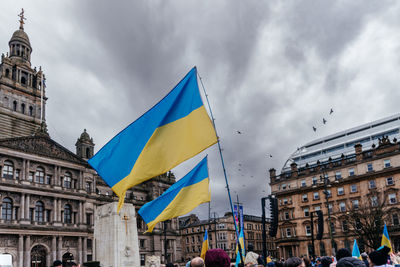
(223, 167)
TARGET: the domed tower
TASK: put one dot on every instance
(84, 146)
(22, 90)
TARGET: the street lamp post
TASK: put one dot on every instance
(327, 194)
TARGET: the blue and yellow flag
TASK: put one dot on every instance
(241, 241)
(356, 251)
(182, 197)
(174, 130)
(385, 238)
(204, 247)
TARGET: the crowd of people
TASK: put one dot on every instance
(343, 258)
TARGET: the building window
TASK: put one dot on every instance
(67, 214)
(340, 191)
(305, 197)
(386, 163)
(285, 201)
(308, 230)
(389, 181)
(39, 208)
(338, 175)
(370, 168)
(342, 206)
(288, 232)
(351, 172)
(355, 204)
(23, 108)
(317, 208)
(143, 259)
(30, 177)
(353, 188)
(303, 183)
(392, 198)
(39, 175)
(89, 219)
(15, 105)
(67, 180)
(374, 201)
(395, 219)
(371, 184)
(30, 111)
(330, 207)
(314, 180)
(8, 170)
(345, 226)
(333, 227)
(88, 187)
(286, 215)
(6, 209)
(283, 186)
(316, 195)
(328, 193)
(48, 179)
(306, 212)
(141, 243)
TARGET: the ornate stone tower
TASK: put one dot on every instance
(84, 146)
(22, 100)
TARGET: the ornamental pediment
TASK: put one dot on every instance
(42, 146)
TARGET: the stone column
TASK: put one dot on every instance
(22, 207)
(80, 249)
(27, 261)
(80, 181)
(55, 175)
(84, 250)
(27, 166)
(54, 248)
(21, 251)
(23, 170)
(59, 211)
(55, 210)
(80, 215)
(27, 203)
(59, 251)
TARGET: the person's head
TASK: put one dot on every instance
(318, 260)
(326, 261)
(350, 262)
(294, 262)
(307, 261)
(342, 253)
(379, 256)
(250, 247)
(197, 262)
(169, 265)
(364, 256)
(57, 263)
(217, 258)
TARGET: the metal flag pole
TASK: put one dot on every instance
(223, 167)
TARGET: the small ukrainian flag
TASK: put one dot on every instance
(204, 247)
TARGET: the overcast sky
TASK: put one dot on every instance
(272, 70)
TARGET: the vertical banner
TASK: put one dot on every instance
(236, 211)
(241, 216)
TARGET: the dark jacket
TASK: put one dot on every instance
(350, 262)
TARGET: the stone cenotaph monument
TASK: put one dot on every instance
(116, 237)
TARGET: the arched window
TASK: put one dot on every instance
(88, 154)
(8, 170)
(67, 213)
(23, 108)
(15, 105)
(6, 209)
(30, 111)
(67, 180)
(39, 210)
(39, 175)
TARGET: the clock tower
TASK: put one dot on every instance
(22, 90)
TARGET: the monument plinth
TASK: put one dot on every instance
(116, 236)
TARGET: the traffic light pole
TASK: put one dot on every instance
(264, 231)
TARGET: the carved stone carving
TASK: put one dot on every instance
(41, 240)
(153, 261)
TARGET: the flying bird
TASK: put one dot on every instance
(270, 155)
(239, 132)
(323, 120)
(330, 112)
(314, 129)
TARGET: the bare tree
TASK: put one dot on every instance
(366, 218)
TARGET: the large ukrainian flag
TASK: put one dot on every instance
(174, 130)
(180, 198)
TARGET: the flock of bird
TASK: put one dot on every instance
(324, 121)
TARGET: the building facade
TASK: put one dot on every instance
(221, 234)
(48, 194)
(337, 185)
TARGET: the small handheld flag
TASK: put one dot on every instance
(204, 247)
(356, 251)
(385, 239)
(182, 197)
(174, 130)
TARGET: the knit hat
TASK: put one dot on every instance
(379, 256)
(217, 258)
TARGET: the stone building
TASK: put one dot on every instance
(338, 174)
(221, 234)
(47, 193)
